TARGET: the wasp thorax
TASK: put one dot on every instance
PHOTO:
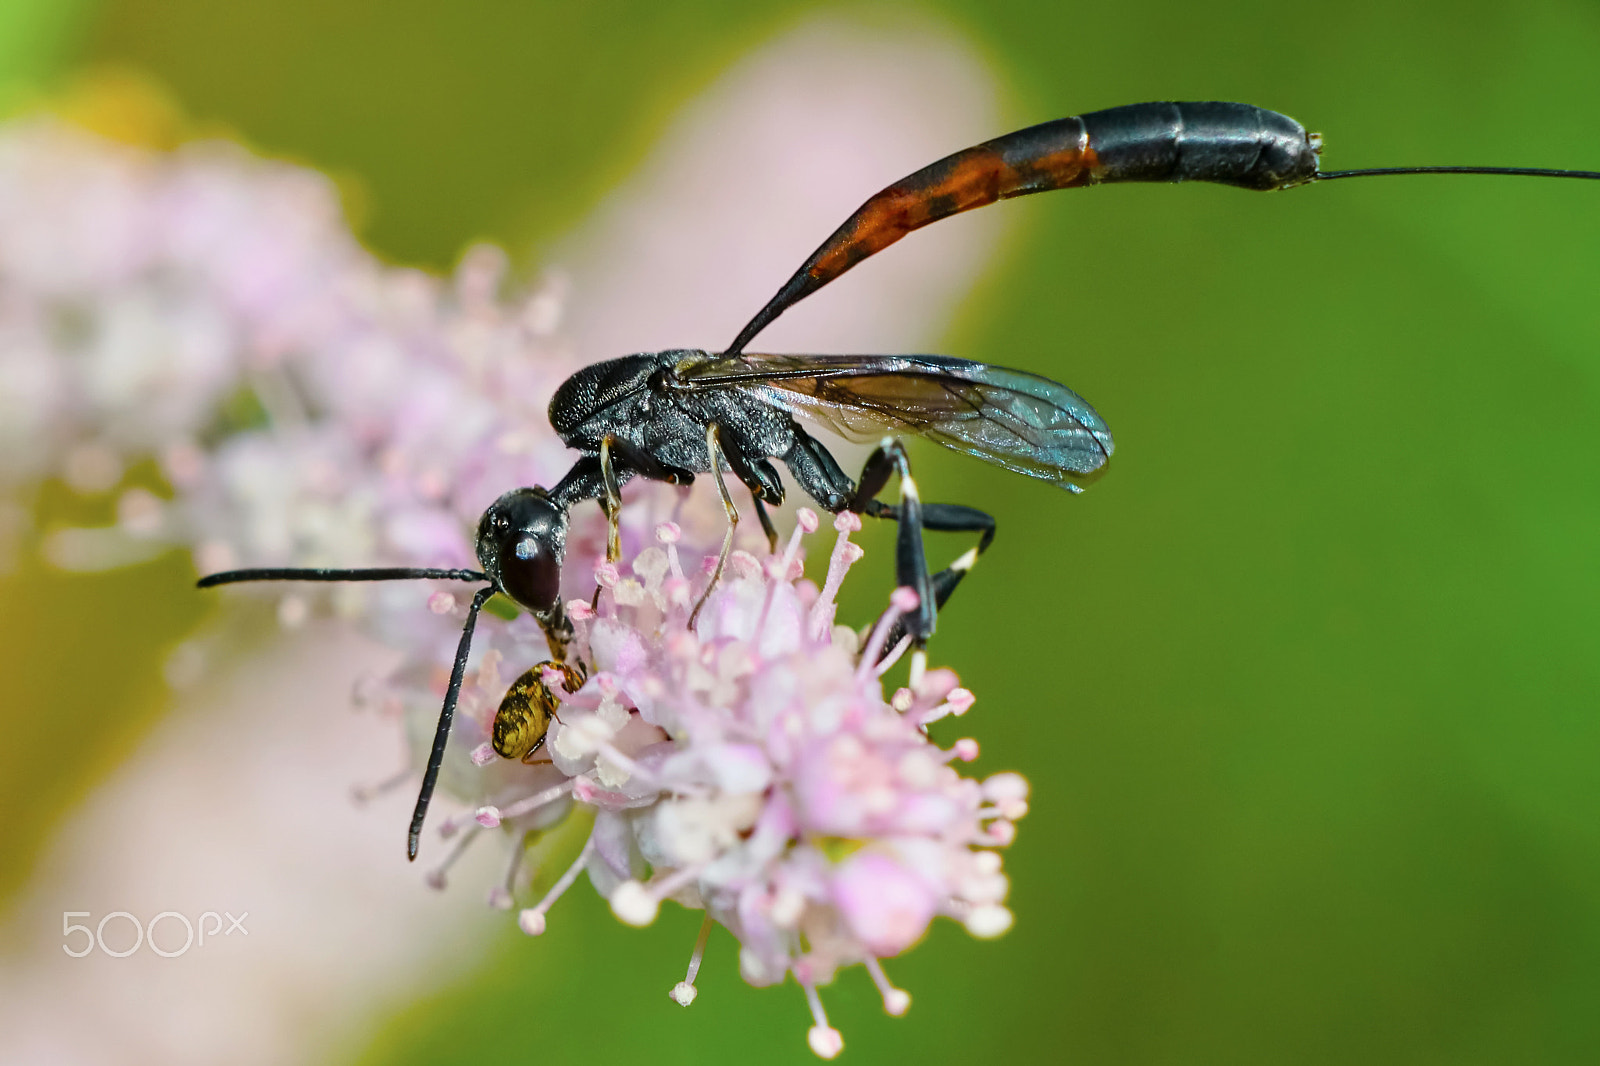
(523, 720)
(521, 540)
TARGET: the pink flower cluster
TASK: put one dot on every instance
(310, 406)
(751, 767)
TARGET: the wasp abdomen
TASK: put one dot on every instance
(1229, 144)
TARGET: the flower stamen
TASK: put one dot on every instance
(532, 919)
(363, 794)
(901, 601)
(436, 876)
(684, 992)
(806, 522)
(893, 656)
(619, 761)
(638, 904)
(503, 895)
(825, 1040)
(896, 1001)
(535, 801)
(845, 553)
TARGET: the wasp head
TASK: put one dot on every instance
(522, 538)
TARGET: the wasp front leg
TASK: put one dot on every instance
(618, 459)
(611, 500)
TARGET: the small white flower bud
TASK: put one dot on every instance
(1005, 788)
(581, 736)
(989, 921)
(825, 1041)
(632, 903)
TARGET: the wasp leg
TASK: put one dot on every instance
(718, 456)
(634, 459)
(766, 523)
(611, 500)
(618, 455)
(441, 734)
(761, 478)
(910, 561)
(594, 477)
(946, 518)
(819, 475)
(601, 478)
(816, 471)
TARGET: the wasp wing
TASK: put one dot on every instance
(1011, 418)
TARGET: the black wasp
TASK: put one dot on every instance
(671, 415)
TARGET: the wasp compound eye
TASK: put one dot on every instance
(521, 541)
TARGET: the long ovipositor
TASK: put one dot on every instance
(1222, 143)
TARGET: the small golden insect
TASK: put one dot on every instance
(524, 716)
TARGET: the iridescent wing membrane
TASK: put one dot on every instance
(1010, 418)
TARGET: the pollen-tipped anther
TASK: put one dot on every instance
(896, 1001)
(826, 1041)
(987, 921)
(532, 920)
(683, 993)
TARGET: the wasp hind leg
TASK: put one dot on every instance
(910, 559)
(816, 471)
(945, 518)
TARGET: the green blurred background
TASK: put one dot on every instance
(1306, 687)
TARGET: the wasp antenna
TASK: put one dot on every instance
(441, 735)
(374, 573)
